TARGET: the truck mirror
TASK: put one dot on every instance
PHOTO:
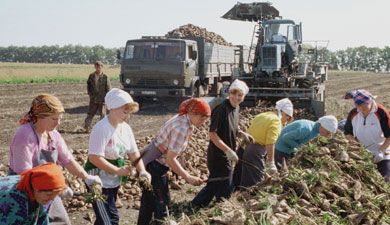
(194, 55)
(118, 54)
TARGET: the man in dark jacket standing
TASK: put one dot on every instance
(98, 86)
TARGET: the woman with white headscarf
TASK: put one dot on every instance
(265, 129)
(110, 141)
(299, 132)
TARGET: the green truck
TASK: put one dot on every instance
(171, 67)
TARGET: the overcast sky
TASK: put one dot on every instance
(345, 23)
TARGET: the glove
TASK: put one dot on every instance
(247, 138)
(231, 155)
(91, 180)
(377, 157)
(68, 193)
(144, 173)
(272, 168)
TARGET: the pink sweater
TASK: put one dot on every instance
(24, 148)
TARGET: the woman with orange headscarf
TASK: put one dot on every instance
(37, 142)
(23, 197)
(162, 153)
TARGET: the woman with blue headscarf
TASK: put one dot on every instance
(369, 123)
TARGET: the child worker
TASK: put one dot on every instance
(221, 153)
(162, 154)
(110, 141)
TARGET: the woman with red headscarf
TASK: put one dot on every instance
(23, 197)
(162, 153)
(37, 142)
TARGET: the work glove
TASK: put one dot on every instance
(144, 173)
(231, 155)
(377, 157)
(68, 193)
(91, 180)
(247, 138)
(272, 168)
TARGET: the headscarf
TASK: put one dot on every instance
(286, 106)
(240, 85)
(44, 177)
(329, 123)
(349, 95)
(362, 97)
(116, 98)
(195, 105)
(42, 106)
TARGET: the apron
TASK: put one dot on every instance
(256, 155)
(57, 212)
(150, 153)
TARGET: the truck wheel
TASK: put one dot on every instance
(140, 102)
(219, 88)
(198, 91)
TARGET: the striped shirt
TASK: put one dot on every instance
(174, 136)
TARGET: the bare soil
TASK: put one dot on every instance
(15, 101)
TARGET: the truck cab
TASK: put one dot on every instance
(159, 67)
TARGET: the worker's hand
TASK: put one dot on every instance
(247, 138)
(91, 180)
(377, 156)
(123, 171)
(68, 193)
(231, 155)
(194, 180)
(144, 173)
(272, 168)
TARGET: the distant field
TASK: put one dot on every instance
(340, 82)
(40, 72)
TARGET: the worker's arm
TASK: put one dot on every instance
(175, 166)
(218, 141)
(385, 145)
(270, 152)
(103, 164)
(135, 156)
(74, 168)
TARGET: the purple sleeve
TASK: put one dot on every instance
(23, 149)
(64, 155)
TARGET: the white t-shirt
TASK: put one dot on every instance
(111, 143)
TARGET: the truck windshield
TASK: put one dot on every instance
(159, 51)
(280, 32)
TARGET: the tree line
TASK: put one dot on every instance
(370, 59)
(68, 54)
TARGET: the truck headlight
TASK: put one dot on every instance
(175, 82)
(127, 81)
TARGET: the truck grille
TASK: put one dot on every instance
(269, 56)
(152, 82)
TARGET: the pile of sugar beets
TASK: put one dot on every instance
(190, 30)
